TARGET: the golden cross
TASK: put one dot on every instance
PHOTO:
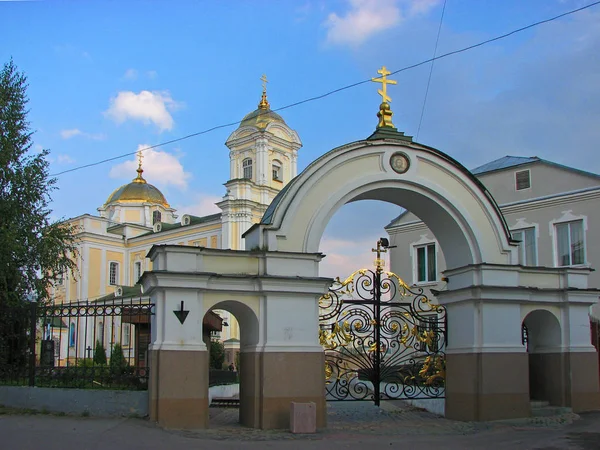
(384, 82)
(140, 157)
(264, 82)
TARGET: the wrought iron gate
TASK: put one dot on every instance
(382, 340)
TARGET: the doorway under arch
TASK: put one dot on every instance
(542, 338)
(247, 319)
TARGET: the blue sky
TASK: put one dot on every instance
(107, 77)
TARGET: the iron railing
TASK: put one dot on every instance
(99, 344)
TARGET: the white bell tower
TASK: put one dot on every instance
(263, 159)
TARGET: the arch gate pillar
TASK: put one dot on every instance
(487, 365)
(281, 359)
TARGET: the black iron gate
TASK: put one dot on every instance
(382, 340)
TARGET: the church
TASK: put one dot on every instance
(113, 245)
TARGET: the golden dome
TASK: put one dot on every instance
(262, 116)
(138, 191)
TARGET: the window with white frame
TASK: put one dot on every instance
(156, 217)
(426, 266)
(570, 246)
(137, 272)
(522, 180)
(113, 273)
(277, 171)
(100, 333)
(527, 246)
(247, 168)
(126, 335)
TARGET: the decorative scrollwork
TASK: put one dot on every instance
(382, 339)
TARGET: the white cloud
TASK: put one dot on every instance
(65, 159)
(160, 168)
(368, 17)
(68, 134)
(148, 107)
(130, 74)
(202, 205)
(152, 74)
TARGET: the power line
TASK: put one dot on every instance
(335, 91)
(437, 40)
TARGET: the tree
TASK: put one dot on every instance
(99, 354)
(35, 250)
(217, 355)
(118, 363)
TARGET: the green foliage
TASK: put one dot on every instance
(217, 355)
(237, 362)
(118, 364)
(35, 250)
(99, 354)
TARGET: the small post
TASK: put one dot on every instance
(33, 332)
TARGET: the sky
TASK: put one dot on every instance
(108, 77)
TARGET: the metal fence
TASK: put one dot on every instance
(91, 344)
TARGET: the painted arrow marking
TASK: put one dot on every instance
(181, 314)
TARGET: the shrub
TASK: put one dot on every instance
(99, 354)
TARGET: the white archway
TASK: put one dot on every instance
(439, 190)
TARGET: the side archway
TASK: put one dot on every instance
(542, 336)
(443, 193)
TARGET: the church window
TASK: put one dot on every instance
(426, 267)
(247, 168)
(277, 171)
(72, 334)
(100, 333)
(126, 335)
(522, 180)
(570, 245)
(527, 250)
(156, 217)
(113, 273)
(138, 271)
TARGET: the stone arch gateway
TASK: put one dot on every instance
(278, 279)
(435, 187)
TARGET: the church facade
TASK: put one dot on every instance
(113, 245)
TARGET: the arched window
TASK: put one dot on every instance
(276, 166)
(247, 167)
(113, 273)
(156, 217)
(72, 334)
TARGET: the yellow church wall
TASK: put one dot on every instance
(111, 242)
(198, 242)
(213, 242)
(234, 232)
(160, 238)
(132, 215)
(72, 289)
(93, 275)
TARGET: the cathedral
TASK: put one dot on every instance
(113, 244)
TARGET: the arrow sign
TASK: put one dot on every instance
(181, 314)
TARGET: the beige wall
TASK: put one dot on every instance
(93, 275)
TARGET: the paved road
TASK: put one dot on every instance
(355, 426)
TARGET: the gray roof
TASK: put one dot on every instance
(504, 163)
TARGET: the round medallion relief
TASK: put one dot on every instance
(399, 162)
